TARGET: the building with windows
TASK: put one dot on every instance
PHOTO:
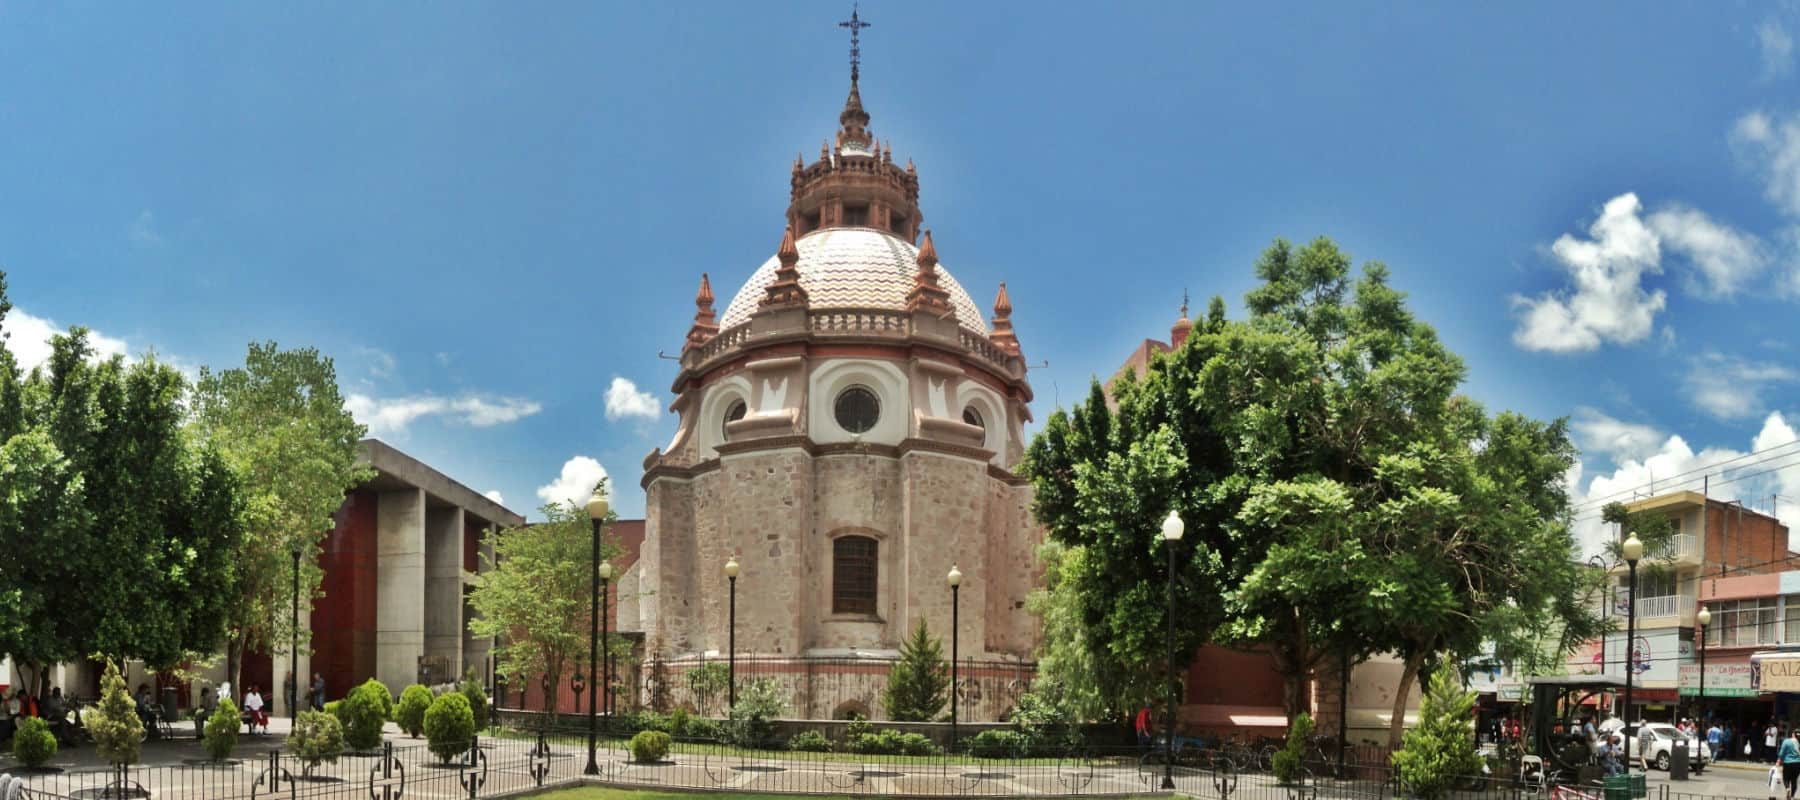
(1724, 554)
(849, 427)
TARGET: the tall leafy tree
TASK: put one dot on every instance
(534, 594)
(279, 422)
(1340, 497)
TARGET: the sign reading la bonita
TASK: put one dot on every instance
(1722, 680)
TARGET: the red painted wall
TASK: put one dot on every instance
(1222, 676)
(343, 620)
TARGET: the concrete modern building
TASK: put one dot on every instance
(849, 428)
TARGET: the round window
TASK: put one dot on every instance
(973, 417)
(732, 414)
(857, 409)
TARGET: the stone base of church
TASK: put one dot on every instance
(834, 686)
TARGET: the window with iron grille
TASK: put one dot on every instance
(853, 573)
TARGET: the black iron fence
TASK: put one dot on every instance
(509, 763)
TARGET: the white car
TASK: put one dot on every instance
(1656, 740)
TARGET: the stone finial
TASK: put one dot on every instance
(926, 294)
(706, 325)
(1184, 326)
(786, 290)
(1003, 336)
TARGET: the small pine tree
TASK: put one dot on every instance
(410, 713)
(220, 730)
(1441, 749)
(917, 685)
(472, 689)
(1288, 762)
(118, 732)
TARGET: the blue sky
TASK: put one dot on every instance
(492, 214)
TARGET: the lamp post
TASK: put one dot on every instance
(731, 572)
(955, 581)
(1705, 619)
(596, 508)
(1632, 550)
(605, 685)
(293, 687)
(1171, 533)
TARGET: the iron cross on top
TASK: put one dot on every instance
(855, 24)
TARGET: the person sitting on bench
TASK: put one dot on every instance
(254, 716)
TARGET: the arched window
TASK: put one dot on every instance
(973, 417)
(853, 574)
(733, 414)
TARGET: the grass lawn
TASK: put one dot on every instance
(604, 793)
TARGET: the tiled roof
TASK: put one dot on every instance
(854, 268)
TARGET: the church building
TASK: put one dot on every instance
(850, 425)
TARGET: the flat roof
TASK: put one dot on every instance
(396, 470)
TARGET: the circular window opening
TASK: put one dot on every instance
(732, 414)
(973, 417)
(857, 409)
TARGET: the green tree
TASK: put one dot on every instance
(410, 713)
(449, 725)
(1442, 748)
(317, 738)
(534, 593)
(220, 731)
(708, 682)
(919, 682)
(1339, 496)
(280, 423)
(1074, 676)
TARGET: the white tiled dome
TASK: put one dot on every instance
(854, 268)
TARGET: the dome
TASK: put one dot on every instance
(845, 268)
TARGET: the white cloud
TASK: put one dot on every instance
(1595, 432)
(495, 495)
(381, 362)
(1725, 258)
(392, 415)
(575, 483)
(1728, 387)
(443, 359)
(1609, 302)
(143, 231)
(1776, 47)
(1725, 473)
(28, 337)
(624, 399)
(1771, 147)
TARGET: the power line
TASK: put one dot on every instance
(1697, 474)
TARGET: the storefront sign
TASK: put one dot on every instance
(1722, 680)
(1515, 693)
(1777, 675)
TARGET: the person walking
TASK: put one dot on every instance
(1789, 757)
(1143, 727)
(1771, 740)
(318, 692)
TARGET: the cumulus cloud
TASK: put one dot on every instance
(1770, 465)
(1608, 302)
(1776, 47)
(624, 399)
(28, 337)
(495, 495)
(1724, 258)
(1595, 432)
(393, 415)
(575, 483)
(1770, 146)
(1728, 387)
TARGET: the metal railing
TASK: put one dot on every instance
(1665, 606)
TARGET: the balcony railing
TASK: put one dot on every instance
(1681, 545)
(1667, 606)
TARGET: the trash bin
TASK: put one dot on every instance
(1625, 787)
(1678, 760)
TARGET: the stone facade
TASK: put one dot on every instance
(849, 430)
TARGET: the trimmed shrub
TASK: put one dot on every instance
(33, 744)
(478, 701)
(317, 738)
(410, 713)
(363, 713)
(649, 747)
(890, 742)
(332, 709)
(449, 725)
(1000, 744)
(1287, 762)
(753, 718)
(810, 742)
(113, 722)
(678, 722)
(703, 728)
(221, 730)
